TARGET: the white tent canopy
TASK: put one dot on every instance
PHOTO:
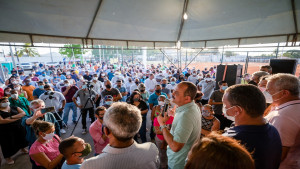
(150, 23)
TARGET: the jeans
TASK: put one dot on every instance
(162, 152)
(84, 113)
(58, 118)
(69, 106)
(142, 132)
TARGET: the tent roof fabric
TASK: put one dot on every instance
(150, 23)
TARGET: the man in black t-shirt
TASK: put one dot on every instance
(115, 93)
(216, 101)
(87, 76)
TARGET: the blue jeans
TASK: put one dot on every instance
(69, 106)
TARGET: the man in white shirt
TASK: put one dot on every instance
(193, 78)
(122, 151)
(285, 116)
(150, 84)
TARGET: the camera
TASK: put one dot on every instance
(89, 85)
(50, 94)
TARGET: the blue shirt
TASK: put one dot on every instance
(74, 166)
(110, 75)
(264, 141)
(153, 98)
(37, 92)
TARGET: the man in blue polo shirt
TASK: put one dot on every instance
(154, 96)
(39, 91)
(246, 105)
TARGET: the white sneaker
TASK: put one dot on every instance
(62, 131)
(84, 131)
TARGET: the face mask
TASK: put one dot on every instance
(268, 97)
(158, 91)
(172, 83)
(108, 102)
(142, 91)
(87, 150)
(274, 95)
(14, 82)
(95, 78)
(224, 87)
(8, 93)
(48, 136)
(163, 85)
(83, 87)
(67, 85)
(44, 75)
(136, 99)
(6, 104)
(102, 74)
(41, 87)
(101, 118)
(17, 88)
(232, 118)
(136, 83)
(144, 77)
(161, 103)
(129, 80)
(14, 96)
(205, 113)
(108, 86)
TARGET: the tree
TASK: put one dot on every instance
(229, 53)
(292, 54)
(68, 52)
(27, 50)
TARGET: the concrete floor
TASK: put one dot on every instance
(22, 160)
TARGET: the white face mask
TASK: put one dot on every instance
(161, 103)
(6, 104)
(17, 88)
(48, 136)
(268, 97)
(274, 95)
(14, 96)
(232, 118)
(95, 78)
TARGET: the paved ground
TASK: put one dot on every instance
(22, 160)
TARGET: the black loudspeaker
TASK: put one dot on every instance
(283, 66)
(233, 74)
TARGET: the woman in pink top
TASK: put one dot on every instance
(160, 141)
(99, 138)
(44, 151)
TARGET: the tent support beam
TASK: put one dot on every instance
(193, 58)
(182, 19)
(295, 23)
(94, 18)
(167, 57)
(73, 37)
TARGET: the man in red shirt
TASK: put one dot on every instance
(68, 91)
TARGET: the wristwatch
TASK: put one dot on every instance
(162, 127)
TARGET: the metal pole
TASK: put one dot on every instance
(51, 53)
(180, 59)
(222, 55)
(132, 56)
(122, 57)
(246, 64)
(12, 56)
(194, 58)
(167, 57)
(277, 51)
(185, 58)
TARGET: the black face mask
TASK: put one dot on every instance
(197, 101)
(130, 80)
(142, 90)
(108, 86)
(136, 83)
(158, 91)
(101, 118)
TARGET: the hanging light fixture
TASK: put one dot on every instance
(185, 16)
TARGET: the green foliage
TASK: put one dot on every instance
(292, 54)
(31, 52)
(229, 53)
(70, 53)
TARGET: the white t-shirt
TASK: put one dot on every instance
(150, 84)
(56, 100)
(286, 119)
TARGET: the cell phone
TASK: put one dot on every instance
(48, 109)
(166, 107)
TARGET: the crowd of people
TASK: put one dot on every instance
(197, 121)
